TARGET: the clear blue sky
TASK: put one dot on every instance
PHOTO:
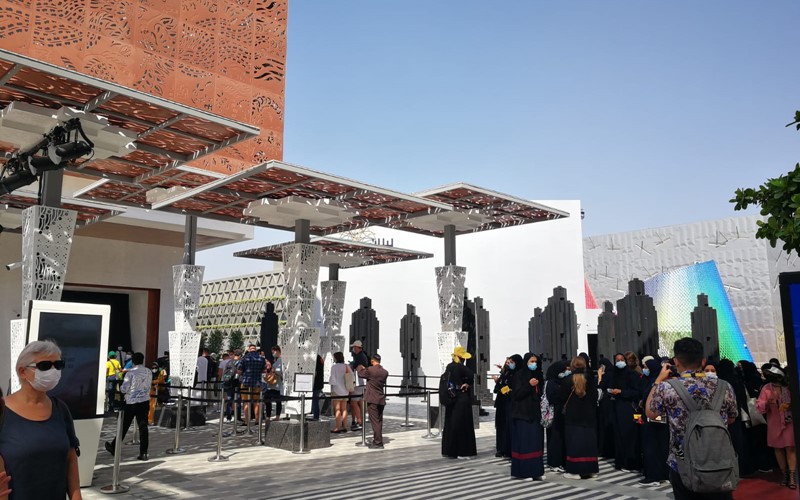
(650, 112)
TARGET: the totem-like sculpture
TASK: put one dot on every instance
(333, 294)
(477, 326)
(606, 332)
(561, 323)
(411, 345)
(184, 341)
(705, 327)
(46, 242)
(299, 339)
(364, 326)
(637, 321)
(538, 340)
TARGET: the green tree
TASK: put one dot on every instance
(235, 340)
(779, 199)
(214, 341)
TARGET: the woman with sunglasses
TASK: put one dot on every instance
(38, 445)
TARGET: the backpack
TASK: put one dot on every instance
(447, 390)
(707, 462)
(211, 369)
(548, 412)
(229, 373)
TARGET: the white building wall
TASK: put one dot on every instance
(96, 261)
(748, 267)
(513, 269)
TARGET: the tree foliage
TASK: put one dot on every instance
(214, 341)
(236, 340)
(779, 199)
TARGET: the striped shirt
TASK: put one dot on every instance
(136, 385)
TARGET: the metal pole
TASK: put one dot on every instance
(407, 423)
(363, 423)
(429, 435)
(260, 421)
(177, 449)
(441, 418)
(115, 487)
(219, 457)
(188, 408)
(303, 449)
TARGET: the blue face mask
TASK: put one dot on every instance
(646, 372)
(561, 375)
(511, 366)
(620, 364)
(568, 373)
(531, 366)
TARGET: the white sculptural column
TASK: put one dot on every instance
(333, 294)
(299, 339)
(184, 341)
(46, 242)
(450, 281)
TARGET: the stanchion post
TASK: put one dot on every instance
(176, 450)
(135, 439)
(363, 422)
(115, 487)
(429, 434)
(219, 457)
(303, 449)
(260, 421)
(407, 423)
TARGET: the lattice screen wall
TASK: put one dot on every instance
(238, 303)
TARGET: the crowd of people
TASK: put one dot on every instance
(632, 412)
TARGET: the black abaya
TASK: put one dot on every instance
(458, 439)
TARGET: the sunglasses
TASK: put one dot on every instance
(46, 365)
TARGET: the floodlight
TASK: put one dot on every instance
(108, 140)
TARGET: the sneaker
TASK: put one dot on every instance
(593, 475)
(466, 458)
(630, 471)
(568, 475)
(373, 446)
(142, 457)
(648, 482)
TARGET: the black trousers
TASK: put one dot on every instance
(271, 395)
(375, 413)
(140, 411)
(682, 493)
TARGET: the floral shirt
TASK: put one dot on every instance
(666, 401)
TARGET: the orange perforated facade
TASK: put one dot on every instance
(223, 56)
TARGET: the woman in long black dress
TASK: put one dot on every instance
(605, 412)
(655, 433)
(726, 371)
(624, 390)
(555, 434)
(527, 444)
(578, 395)
(458, 440)
(502, 405)
(756, 436)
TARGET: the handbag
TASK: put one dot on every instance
(548, 413)
(271, 378)
(754, 418)
(349, 380)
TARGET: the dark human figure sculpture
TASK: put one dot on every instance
(560, 324)
(704, 326)
(411, 345)
(364, 326)
(476, 324)
(538, 340)
(268, 336)
(637, 321)
(606, 331)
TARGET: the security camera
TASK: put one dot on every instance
(13, 265)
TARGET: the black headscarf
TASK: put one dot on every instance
(518, 362)
(554, 369)
(587, 359)
(619, 376)
(727, 372)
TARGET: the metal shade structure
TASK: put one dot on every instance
(277, 191)
(166, 134)
(87, 213)
(344, 253)
(476, 209)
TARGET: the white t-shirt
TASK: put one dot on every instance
(202, 369)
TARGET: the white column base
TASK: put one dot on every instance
(88, 432)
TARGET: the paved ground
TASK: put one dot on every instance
(410, 467)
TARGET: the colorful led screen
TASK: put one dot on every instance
(675, 296)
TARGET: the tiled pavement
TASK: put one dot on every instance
(409, 468)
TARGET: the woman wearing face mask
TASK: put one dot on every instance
(159, 379)
(37, 432)
(655, 433)
(527, 444)
(578, 394)
(555, 434)
(624, 390)
(502, 404)
(775, 402)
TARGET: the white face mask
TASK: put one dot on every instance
(620, 364)
(45, 381)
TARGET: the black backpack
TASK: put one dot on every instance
(447, 389)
